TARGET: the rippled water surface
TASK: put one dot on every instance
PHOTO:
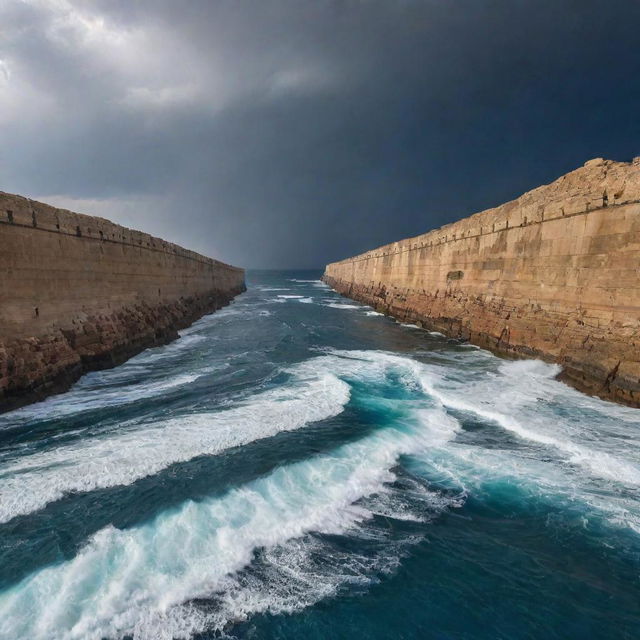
(299, 466)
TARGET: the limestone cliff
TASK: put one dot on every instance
(80, 293)
(554, 274)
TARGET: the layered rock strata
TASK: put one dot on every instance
(554, 274)
(79, 293)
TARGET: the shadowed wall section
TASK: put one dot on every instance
(80, 293)
(553, 274)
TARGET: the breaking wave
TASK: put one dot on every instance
(30, 482)
(141, 581)
(388, 439)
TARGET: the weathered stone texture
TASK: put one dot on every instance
(553, 274)
(80, 293)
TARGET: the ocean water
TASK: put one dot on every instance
(299, 466)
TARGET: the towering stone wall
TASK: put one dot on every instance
(554, 274)
(80, 293)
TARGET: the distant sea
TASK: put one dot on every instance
(298, 466)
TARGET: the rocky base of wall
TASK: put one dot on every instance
(33, 368)
(600, 361)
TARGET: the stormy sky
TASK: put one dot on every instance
(290, 133)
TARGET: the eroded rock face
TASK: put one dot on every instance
(554, 274)
(80, 293)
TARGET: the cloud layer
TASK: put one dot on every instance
(288, 133)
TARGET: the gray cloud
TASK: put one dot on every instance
(291, 133)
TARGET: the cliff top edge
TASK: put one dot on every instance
(598, 183)
(22, 211)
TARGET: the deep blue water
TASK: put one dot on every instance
(298, 466)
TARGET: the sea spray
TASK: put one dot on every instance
(418, 505)
(124, 580)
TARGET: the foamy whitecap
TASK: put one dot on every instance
(520, 397)
(316, 391)
(136, 581)
(342, 305)
(80, 399)
(30, 482)
(523, 387)
(143, 581)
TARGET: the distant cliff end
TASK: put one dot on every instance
(79, 293)
(554, 274)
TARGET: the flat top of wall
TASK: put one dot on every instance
(598, 183)
(21, 211)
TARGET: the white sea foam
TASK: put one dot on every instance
(30, 482)
(374, 313)
(342, 305)
(515, 397)
(305, 300)
(212, 319)
(82, 399)
(290, 297)
(186, 341)
(137, 581)
(523, 397)
(314, 283)
(314, 392)
(109, 388)
(140, 581)
(566, 455)
(473, 469)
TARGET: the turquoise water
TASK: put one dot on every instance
(298, 466)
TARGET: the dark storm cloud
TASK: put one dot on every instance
(292, 133)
